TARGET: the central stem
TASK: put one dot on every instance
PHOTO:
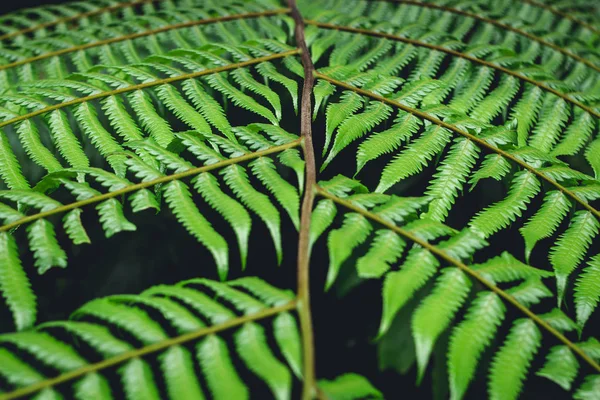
(307, 205)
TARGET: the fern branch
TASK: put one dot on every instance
(143, 351)
(306, 211)
(475, 139)
(457, 263)
(457, 54)
(499, 25)
(108, 9)
(149, 32)
(149, 84)
(143, 185)
(562, 14)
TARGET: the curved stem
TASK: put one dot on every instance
(143, 351)
(143, 185)
(149, 84)
(499, 25)
(473, 138)
(144, 34)
(72, 18)
(304, 309)
(458, 54)
(463, 267)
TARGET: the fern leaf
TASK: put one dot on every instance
(530, 292)
(10, 171)
(18, 372)
(210, 109)
(470, 338)
(138, 381)
(506, 268)
(67, 144)
(434, 314)
(592, 156)
(288, 340)
(286, 194)
(497, 100)
(223, 380)
(414, 157)
(74, 227)
(356, 126)
(102, 139)
(494, 166)
(237, 180)
(179, 199)
(511, 363)
(553, 118)
(587, 291)
(342, 241)
(112, 219)
(245, 80)
(576, 135)
(237, 216)
(158, 128)
(400, 286)
(14, 284)
(386, 141)
(571, 247)
(252, 347)
(589, 389)
(473, 90)
(337, 113)
(221, 84)
(45, 247)
(450, 177)
(269, 71)
(524, 186)
(561, 367)
(386, 248)
(184, 111)
(525, 112)
(30, 138)
(321, 218)
(349, 387)
(546, 220)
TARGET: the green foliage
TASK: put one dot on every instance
(447, 138)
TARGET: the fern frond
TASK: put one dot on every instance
(176, 362)
(349, 387)
(570, 248)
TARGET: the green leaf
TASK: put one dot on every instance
(384, 142)
(343, 241)
(180, 201)
(451, 175)
(349, 387)
(385, 249)
(524, 187)
(414, 157)
(511, 363)
(46, 250)
(252, 348)
(587, 291)
(14, 285)
(545, 221)
(435, 313)
(222, 379)
(357, 126)
(400, 286)
(561, 367)
(571, 247)
(470, 338)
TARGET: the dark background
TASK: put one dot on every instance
(345, 326)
